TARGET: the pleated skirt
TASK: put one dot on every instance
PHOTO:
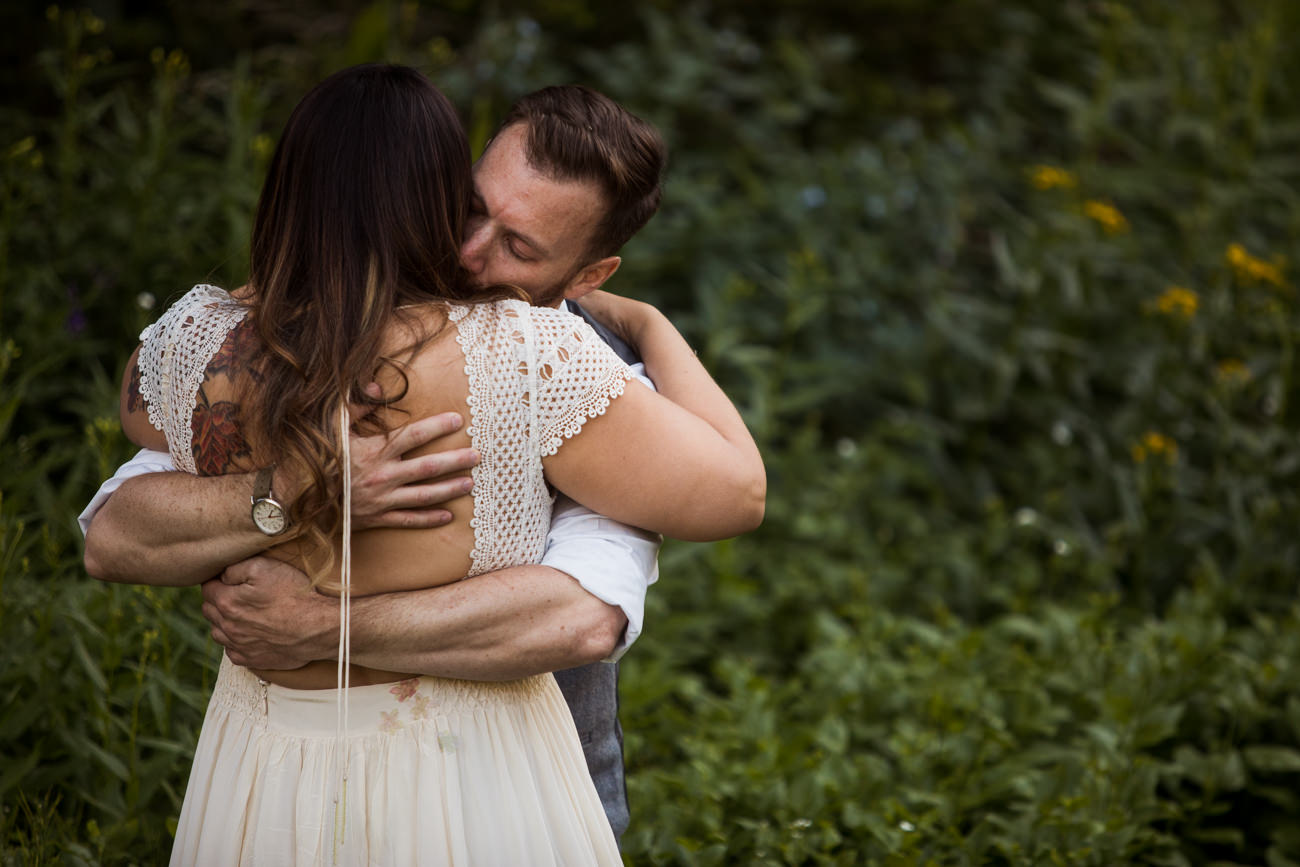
(439, 772)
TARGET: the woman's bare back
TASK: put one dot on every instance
(383, 560)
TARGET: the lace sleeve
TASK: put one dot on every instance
(577, 376)
(174, 356)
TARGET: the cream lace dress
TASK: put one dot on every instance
(437, 771)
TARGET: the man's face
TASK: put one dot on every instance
(525, 228)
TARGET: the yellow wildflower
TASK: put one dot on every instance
(1178, 301)
(1251, 269)
(1107, 215)
(1050, 177)
(21, 147)
(1154, 445)
(263, 145)
(440, 51)
(1232, 371)
(177, 62)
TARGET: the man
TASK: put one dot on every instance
(567, 180)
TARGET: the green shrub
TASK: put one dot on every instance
(1007, 302)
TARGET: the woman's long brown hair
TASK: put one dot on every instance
(361, 214)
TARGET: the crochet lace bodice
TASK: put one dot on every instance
(535, 374)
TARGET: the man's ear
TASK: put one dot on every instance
(592, 277)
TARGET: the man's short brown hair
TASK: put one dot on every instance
(576, 134)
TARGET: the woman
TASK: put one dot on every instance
(355, 278)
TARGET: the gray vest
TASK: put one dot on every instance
(592, 690)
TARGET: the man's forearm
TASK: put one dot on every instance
(173, 529)
(512, 623)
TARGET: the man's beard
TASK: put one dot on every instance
(552, 295)
(548, 297)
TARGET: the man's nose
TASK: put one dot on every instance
(473, 250)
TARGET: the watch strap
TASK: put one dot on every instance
(262, 484)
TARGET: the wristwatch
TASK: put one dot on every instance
(268, 514)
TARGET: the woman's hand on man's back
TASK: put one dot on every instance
(394, 491)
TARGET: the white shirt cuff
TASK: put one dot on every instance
(612, 561)
(146, 461)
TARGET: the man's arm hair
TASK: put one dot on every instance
(502, 625)
(173, 529)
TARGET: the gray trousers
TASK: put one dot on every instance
(592, 694)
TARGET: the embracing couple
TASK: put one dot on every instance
(385, 695)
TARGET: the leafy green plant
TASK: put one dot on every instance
(1009, 308)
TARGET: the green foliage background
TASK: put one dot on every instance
(1005, 290)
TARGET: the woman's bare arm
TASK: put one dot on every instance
(680, 462)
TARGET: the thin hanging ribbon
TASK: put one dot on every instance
(344, 679)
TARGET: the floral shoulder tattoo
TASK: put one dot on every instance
(218, 442)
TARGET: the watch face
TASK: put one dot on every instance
(269, 517)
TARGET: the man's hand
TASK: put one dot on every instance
(389, 491)
(266, 615)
